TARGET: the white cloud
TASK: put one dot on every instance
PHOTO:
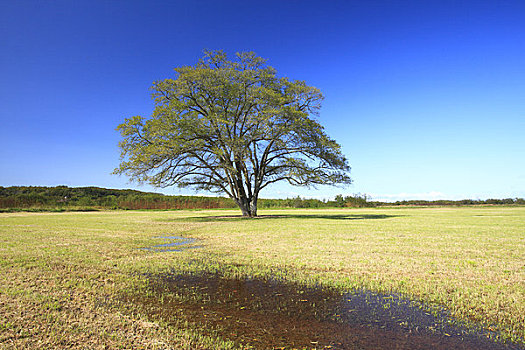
(432, 195)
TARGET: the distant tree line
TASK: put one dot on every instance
(63, 197)
(462, 202)
(85, 198)
(340, 201)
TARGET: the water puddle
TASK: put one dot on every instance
(269, 314)
(174, 244)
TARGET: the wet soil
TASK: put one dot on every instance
(271, 314)
(175, 244)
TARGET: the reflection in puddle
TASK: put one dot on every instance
(269, 314)
(179, 244)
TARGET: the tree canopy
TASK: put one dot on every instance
(231, 127)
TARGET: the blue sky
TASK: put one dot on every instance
(427, 98)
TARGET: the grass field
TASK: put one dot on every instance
(64, 274)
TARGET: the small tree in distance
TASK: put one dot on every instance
(231, 127)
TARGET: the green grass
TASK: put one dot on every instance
(63, 273)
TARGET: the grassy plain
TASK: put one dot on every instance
(63, 274)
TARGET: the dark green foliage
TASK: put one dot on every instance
(63, 197)
(355, 201)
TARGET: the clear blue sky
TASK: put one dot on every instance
(427, 98)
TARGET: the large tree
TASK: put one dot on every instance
(231, 127)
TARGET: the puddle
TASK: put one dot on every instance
(268, 314)
(179, 244)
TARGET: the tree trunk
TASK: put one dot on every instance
(253, 207)
(248, 207)
(244, 205)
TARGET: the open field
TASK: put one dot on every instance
(69, 279)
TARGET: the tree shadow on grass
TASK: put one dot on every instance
(278, 314)
(233, 218)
